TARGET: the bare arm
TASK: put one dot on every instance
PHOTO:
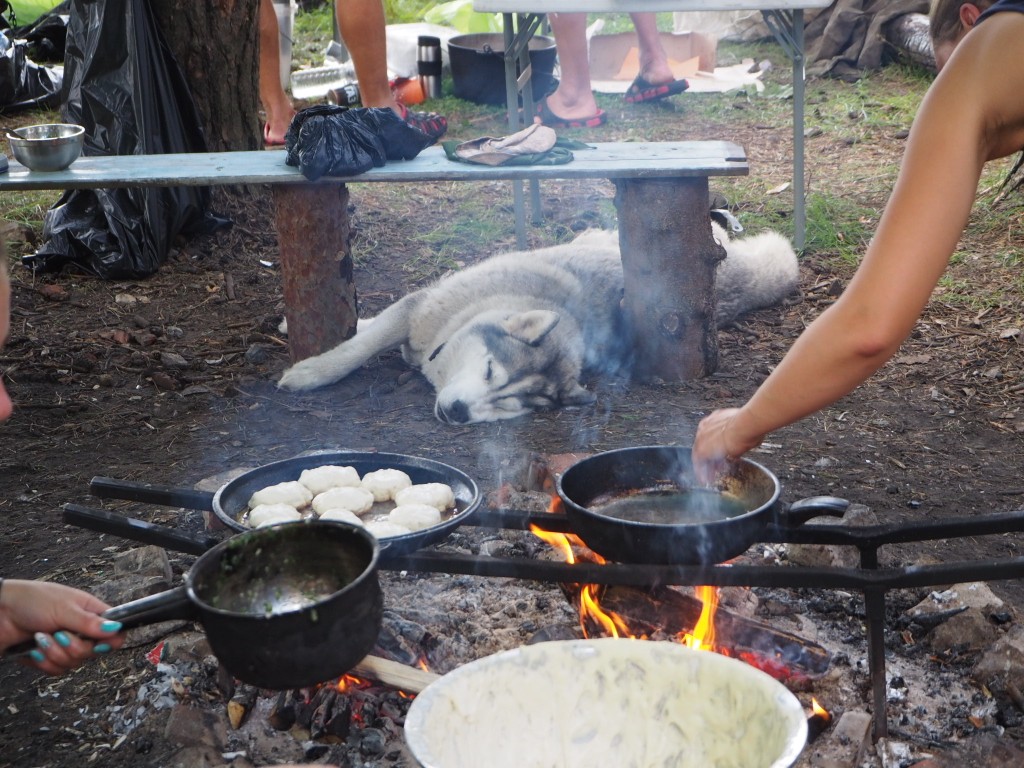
(973, 112)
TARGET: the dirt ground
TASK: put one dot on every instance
(171, 380)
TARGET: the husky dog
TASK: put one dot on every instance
(514, 333)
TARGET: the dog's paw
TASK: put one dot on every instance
(305, 375)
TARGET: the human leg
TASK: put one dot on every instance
(573, 100)
(276, 104)
(655, 79)
(362, 25)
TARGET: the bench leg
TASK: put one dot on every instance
(316, 266)
(669, 258)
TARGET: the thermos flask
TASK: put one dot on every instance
(428, 60)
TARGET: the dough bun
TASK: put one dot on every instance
(384, 529)
(342, 516)
(415, 517)
(267, 514)
(437, 495)
(320, 479)
(293, 493)
(385, 483)
(357, 500)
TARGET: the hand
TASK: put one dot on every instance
(716, 445)
(64, 622)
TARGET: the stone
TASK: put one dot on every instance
(194, 727)
(128, 588)
(976, 594)
(1003, 663)
(186, 646)
(144, 561)
(845, 745)
(833, 555)
(196, 757)
(971, 630)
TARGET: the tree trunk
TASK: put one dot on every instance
(216, 43)
(316, 266)
(669, 259)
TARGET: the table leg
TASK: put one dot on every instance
(518, 29)
(669, 257)
(788, 29)
(316, 266)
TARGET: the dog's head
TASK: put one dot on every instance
(504, 365)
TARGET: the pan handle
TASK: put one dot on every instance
(163, 606)
(147, 493)
(171, 604)
(799, 512)
(137, 530)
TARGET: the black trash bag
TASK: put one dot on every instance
(329, 140)
(25, 84)
(47, 36)
(122, 83)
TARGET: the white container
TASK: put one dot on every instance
(285, 10)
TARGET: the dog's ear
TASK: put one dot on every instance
(577, 395)
(530, 327)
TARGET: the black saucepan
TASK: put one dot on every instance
(641, 505)
(230, 501)
(286, 606)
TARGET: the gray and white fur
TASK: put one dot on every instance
(516, 332)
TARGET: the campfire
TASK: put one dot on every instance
(666, 613)
(365, 713)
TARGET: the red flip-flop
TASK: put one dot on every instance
(640, 90)
(551, 120)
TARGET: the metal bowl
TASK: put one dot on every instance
(615, 701)
(47, 147)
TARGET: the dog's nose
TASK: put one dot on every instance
(457, 412)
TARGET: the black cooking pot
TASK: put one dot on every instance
(286, 606)
(230, 502)
(641, 505)
(478, 67)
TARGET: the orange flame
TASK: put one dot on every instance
(702, 636)
(348, 682)
(820, 711)
(610, 622)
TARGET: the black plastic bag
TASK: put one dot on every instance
(123, 84)
(47, 36)
(329, 140)
(24, 83)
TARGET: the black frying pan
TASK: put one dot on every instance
(286, 606)
(231, 500)
(641, 505)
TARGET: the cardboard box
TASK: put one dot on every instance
(617, 57)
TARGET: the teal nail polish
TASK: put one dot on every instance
(62, 639)
(42, 640)
(101, 648)
(37, 657)
(110, 626)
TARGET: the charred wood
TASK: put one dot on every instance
(282, 714)
(241, 704)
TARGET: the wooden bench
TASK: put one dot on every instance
(669, 255)
(522, 18)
